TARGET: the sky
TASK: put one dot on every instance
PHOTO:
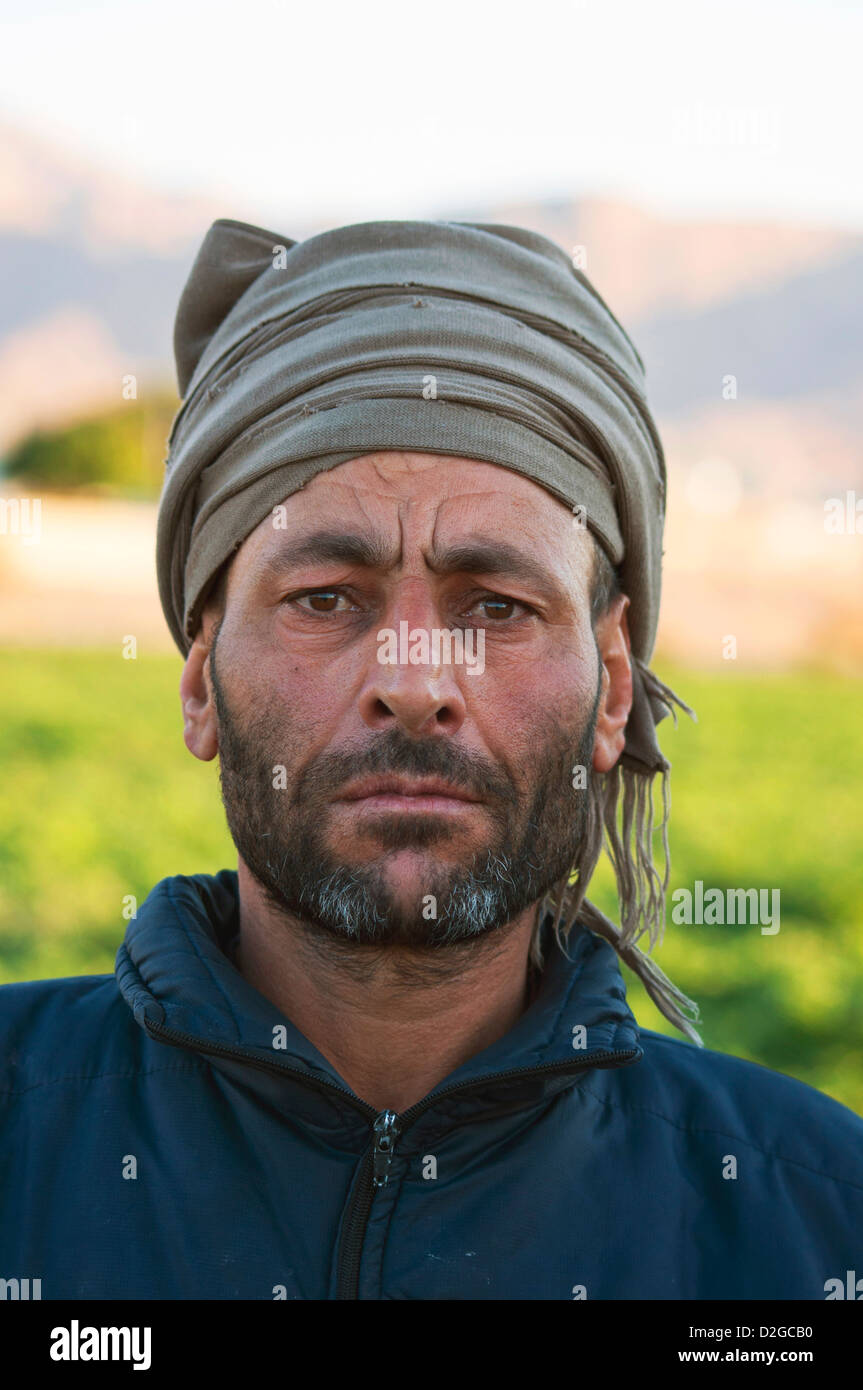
(392, 109)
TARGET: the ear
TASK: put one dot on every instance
(200, 722)
(615, 653)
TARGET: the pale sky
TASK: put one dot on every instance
(398, 109)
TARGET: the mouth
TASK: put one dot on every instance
(407, 794)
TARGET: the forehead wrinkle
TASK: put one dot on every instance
(473, 553)
(538, 514)
(364, 545)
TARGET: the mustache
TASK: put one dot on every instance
(390, 752)
(243, 741)
(394, 753)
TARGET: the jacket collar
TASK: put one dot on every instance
(175, 970)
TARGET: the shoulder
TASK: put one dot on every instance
(715, 1097)
(70, 1029)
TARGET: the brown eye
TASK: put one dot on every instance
(327, 597)
(499, 609)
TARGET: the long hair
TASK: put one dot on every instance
(620, 817)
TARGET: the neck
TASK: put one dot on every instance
(393, 1021)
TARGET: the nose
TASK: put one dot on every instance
(423, 698)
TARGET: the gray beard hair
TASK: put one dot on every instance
(473, 904)
(302, 878)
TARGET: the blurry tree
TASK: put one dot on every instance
(119, 453)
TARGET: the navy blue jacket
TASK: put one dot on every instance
(154, 1143)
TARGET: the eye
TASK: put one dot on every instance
(500, 609)
(324, 602)
(329, 598)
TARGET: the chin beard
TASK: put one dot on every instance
(281, 834)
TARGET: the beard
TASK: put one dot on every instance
(280, 829)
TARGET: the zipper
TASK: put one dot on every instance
(387, 1127)
(385, 1131)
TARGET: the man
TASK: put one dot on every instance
(409, 545)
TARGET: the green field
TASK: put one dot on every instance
(99, 799)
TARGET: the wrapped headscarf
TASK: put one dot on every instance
(295, 357)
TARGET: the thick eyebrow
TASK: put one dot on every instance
(471, 555)
(326, 547)
(478, 555)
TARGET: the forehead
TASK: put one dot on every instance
(425, 497)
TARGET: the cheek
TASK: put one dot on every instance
(302, 698)
(284, 695)
(533, 701)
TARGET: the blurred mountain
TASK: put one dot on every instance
(52, 194)
(92, 264)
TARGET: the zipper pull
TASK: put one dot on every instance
(386, 1132)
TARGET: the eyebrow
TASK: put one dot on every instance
(473, 554)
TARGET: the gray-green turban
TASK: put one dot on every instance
(294, 357)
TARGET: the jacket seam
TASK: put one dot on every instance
(726, 1134)
(103, 1076)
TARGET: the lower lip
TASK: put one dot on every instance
(391, 801)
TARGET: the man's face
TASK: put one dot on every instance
(308, 719)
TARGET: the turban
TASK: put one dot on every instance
(295, 357)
